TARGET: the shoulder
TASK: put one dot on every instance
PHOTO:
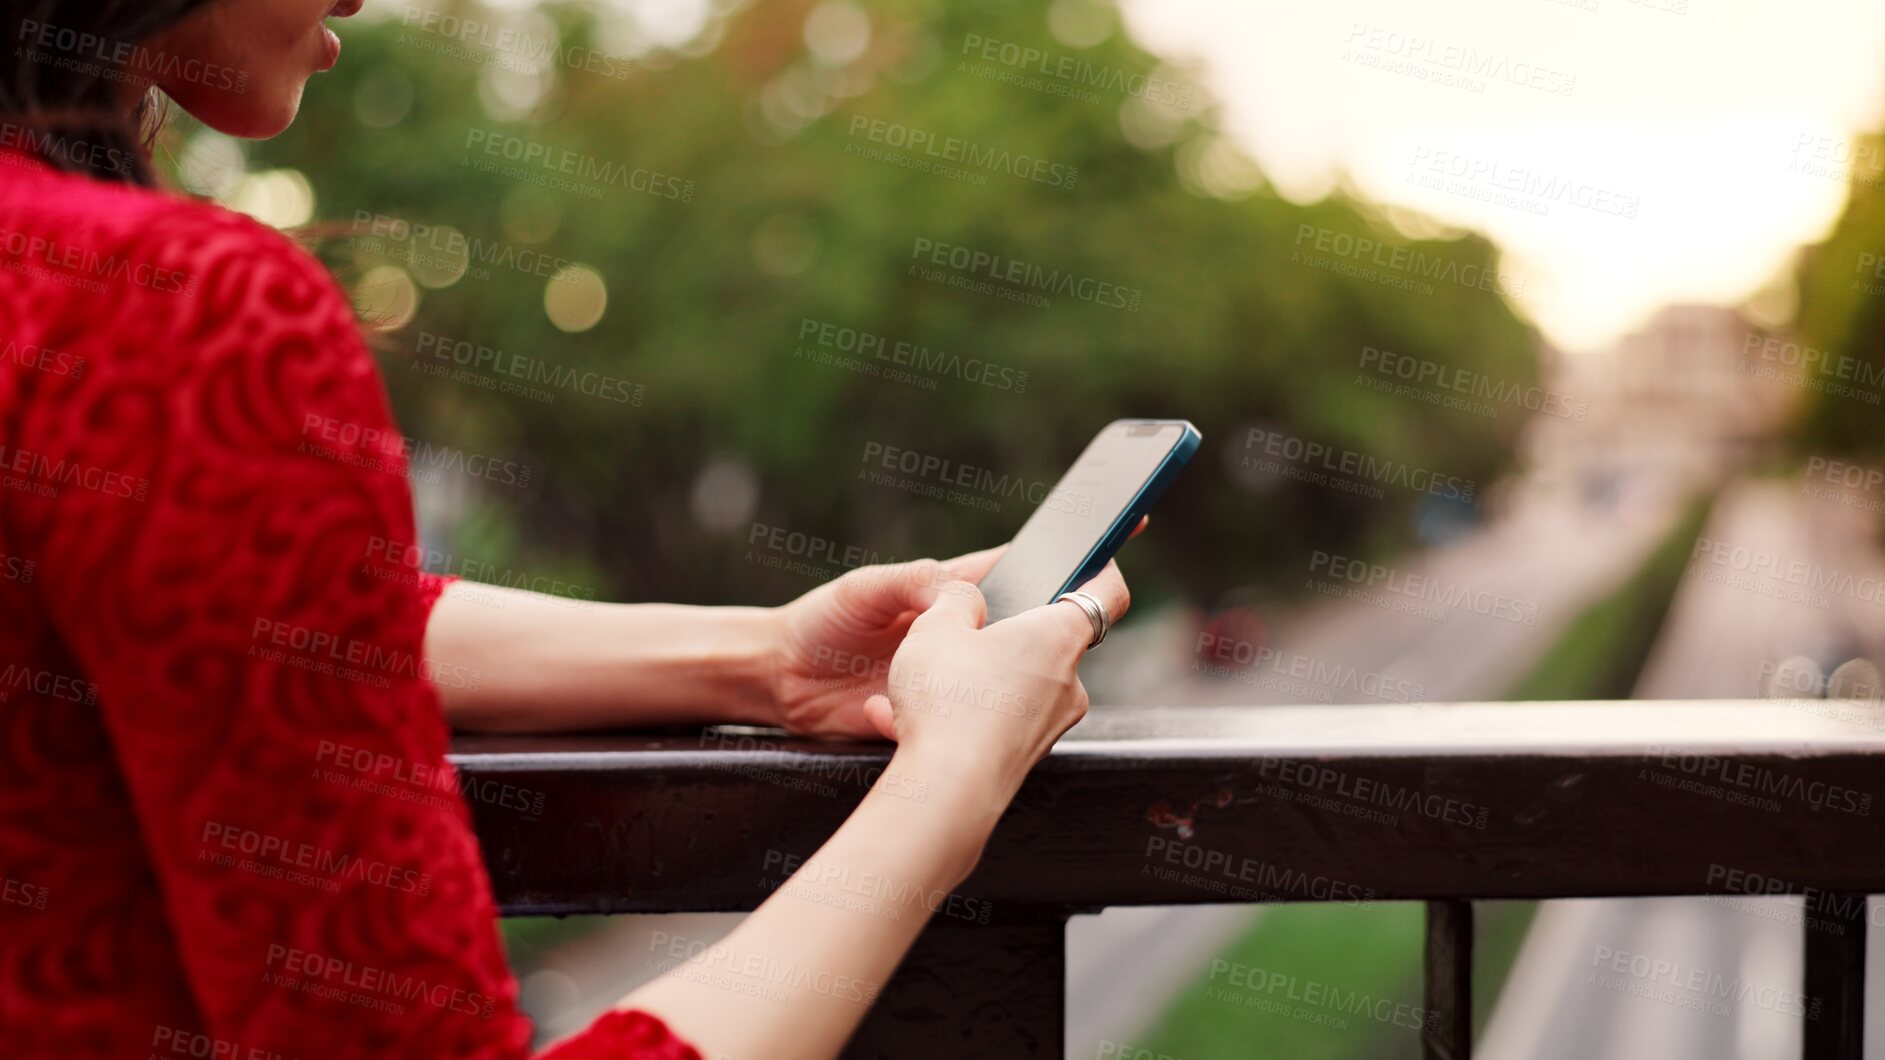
(136, 283)
(85, 245)
(199, 332)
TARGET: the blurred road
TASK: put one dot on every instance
(1551, 555)
(1513, 586)
(1729, 631)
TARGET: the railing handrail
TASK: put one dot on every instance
(1414, 801)
(1150, 806)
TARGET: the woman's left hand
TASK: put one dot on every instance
(836, 641)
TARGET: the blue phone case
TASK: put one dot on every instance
(1142, 503)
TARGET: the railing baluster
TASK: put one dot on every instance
(1447, 1033)
(969, 989)
(1834, 1027)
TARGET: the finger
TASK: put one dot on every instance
(877, 711)
(974, 566)
(1057, 631)
(1137, 530)
(957, 603)
(884, 593)
(1109, 588)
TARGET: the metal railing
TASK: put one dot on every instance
(1441, 803)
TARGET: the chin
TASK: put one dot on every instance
(254, 115)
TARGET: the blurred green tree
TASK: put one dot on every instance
(777, 178)
(1841, 314)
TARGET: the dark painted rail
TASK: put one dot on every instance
(1167, 806)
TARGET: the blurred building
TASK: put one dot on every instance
(1680, 402)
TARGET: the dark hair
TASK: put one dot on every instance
(63, 75)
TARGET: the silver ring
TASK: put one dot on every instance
(1095, 613)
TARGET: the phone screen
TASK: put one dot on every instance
(1078, 514)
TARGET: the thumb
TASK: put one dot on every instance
(878, 713)
(881, 594)
(957, 603)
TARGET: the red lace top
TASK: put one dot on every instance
(226, 824)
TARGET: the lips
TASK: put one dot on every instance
(345, 8)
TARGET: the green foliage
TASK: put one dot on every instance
(1603, 653)
(1842, 314)
(1303, 983)
(707, 298)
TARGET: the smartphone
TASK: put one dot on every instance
(1089, 513)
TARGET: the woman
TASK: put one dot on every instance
(221, 682)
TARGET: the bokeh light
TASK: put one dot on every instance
(575, 298)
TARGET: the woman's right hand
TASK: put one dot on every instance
(985, 704)
(972, 710)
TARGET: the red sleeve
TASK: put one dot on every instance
(431, 587)
(258, 663)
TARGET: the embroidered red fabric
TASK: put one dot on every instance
(225, 814)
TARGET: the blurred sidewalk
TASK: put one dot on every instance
(1724, 639)
(1555, 553)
